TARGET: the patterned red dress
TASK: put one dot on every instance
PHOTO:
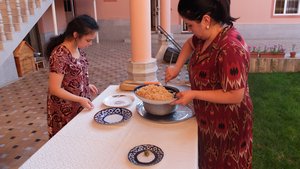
(75, 80)
(225, 130)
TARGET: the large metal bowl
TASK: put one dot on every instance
(157, 107)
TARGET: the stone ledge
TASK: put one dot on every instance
(142, 67)
(275, 65)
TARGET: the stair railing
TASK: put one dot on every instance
(169, 37)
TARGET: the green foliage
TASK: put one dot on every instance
(276, 100)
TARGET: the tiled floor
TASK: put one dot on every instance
(23, 127)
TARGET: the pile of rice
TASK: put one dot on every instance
(155, 92)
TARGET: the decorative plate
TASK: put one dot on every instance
(145, 155)
(118, 100)
(180, 114)
(112, 115)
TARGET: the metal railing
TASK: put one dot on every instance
(169, 37)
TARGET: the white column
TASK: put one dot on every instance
(54, 18)
(73, 10)
(165, 23)
(165, 15)
(96, 18)
(141, 67)
(140, 26)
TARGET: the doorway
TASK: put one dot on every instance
(33, 38)
(184, 27)
(154, 15)
(69, 10)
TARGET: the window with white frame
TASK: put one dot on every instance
(287, 7)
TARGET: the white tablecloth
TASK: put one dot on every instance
(85, 144)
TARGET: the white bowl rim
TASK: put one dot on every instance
(156, 102)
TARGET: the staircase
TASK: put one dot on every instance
(17, 18)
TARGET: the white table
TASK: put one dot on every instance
(85, 144)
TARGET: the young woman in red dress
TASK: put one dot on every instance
(69, 88)
(218, 72)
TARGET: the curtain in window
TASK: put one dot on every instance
(292, 6)
(279, 7)
(67, 5)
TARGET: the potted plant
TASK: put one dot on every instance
(293, 53)
(275, 51)
(254, 52)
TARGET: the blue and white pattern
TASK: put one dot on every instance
(102, 116)
(136, 151)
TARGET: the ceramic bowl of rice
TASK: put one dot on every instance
(157, 98)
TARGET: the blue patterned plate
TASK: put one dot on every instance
(145, 155)
(112, 115)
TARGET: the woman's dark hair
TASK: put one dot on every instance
(218, 10)
(82, 24)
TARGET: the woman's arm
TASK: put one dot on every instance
(55, 81)
(214, 96)
(185, 52)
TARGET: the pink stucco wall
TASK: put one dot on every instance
(84, 7)
(249, 12)
(46, 21)
(115, 10)
(259, 12)
(106, 9)
(175, 18)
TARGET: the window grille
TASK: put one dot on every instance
(287, 7)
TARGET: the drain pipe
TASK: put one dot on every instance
(54, 18)
(96, 18)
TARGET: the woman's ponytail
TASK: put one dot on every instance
(54, 41)
(224, 14)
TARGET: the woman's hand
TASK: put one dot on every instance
(86, 103)
(171, 73)
(184, 97)
(93, 89)
(218, 96)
